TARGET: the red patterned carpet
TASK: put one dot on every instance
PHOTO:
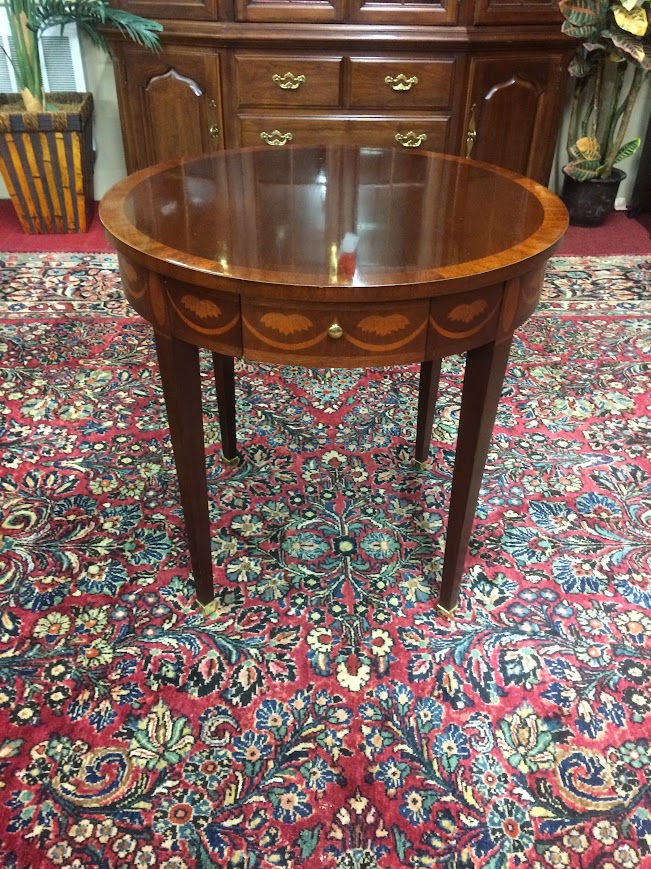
(324, 716)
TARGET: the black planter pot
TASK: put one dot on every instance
(590, 202)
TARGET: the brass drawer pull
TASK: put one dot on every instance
(411, 139)
(276, 138)
(288, 81)
(335, 331)
(400, 82)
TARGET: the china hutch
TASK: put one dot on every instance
(485, 78)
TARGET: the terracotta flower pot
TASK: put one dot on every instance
(46, 160)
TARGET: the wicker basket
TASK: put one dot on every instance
(46, 160)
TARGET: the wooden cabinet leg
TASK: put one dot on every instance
(482, 387)
(224, 368)
(430, 373)
(179, 370)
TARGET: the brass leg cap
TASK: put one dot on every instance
(207, 608)
(231, 462)
(422, 465)
(447, 614)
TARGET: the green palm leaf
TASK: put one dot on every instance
(90, 15)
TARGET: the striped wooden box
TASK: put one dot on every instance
(46, 160)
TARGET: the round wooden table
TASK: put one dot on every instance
(332, 257)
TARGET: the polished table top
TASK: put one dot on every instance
(334, 216)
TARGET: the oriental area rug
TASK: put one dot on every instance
(324, 716)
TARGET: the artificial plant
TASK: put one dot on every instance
(608, 68)
(29, 18)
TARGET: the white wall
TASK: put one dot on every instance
(110, 167)
(100, 80)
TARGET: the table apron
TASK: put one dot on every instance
(332, 334)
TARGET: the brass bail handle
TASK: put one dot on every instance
(471, 132)
(401, 82)
(276, 138)
(288, 81)
(410, 139)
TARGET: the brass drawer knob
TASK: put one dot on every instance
(400, 82)
(335, 331)
(276, 138)
(288, 81)
(411, 139)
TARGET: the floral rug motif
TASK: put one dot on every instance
(324, 716)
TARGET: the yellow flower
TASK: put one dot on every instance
(51, 626)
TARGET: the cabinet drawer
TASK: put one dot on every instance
(400, 84)
(412, 131)
(287, 80)
(333, 334)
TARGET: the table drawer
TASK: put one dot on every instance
(277, 80)
(412, 131)
(401, 84)
(330, 334)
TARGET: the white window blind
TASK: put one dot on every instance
(60, 59)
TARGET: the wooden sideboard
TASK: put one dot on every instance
(485, 78)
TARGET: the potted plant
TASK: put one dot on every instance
(608, 70)
(46, 154)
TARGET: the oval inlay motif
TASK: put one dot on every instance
(468, 311)
(378, 325)
(203, 308)
(286, 324)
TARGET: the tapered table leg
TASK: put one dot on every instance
(482, 387)
(430, 373)
(223, 367)
(179, 369)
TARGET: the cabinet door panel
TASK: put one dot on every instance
(517, 11)
(186, 9)
(407, 12)
(413, 131)
(300, 11)
(174, 104)
(514, 101)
